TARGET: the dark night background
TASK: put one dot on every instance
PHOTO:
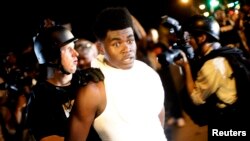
(20, 21)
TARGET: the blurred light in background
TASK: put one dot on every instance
(214, 3)
(202, 6)
(184, 1)
(206, 14)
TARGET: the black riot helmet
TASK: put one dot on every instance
(48, 42)
(201, 24)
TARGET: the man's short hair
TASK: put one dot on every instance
(112, 18)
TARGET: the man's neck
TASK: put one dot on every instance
(60, 79)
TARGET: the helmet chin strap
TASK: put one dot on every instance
(63, 70)
(58, 66)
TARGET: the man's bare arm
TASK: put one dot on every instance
(87, 105)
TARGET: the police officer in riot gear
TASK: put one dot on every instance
(53, 96)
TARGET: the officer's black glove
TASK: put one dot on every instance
(83, 77)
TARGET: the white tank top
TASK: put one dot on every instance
(135, 98)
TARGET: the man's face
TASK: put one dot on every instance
(119, 48)
(69, 57)
(86, 55)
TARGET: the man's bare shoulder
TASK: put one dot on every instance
(94, 95)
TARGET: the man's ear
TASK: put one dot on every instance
(100, 47)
